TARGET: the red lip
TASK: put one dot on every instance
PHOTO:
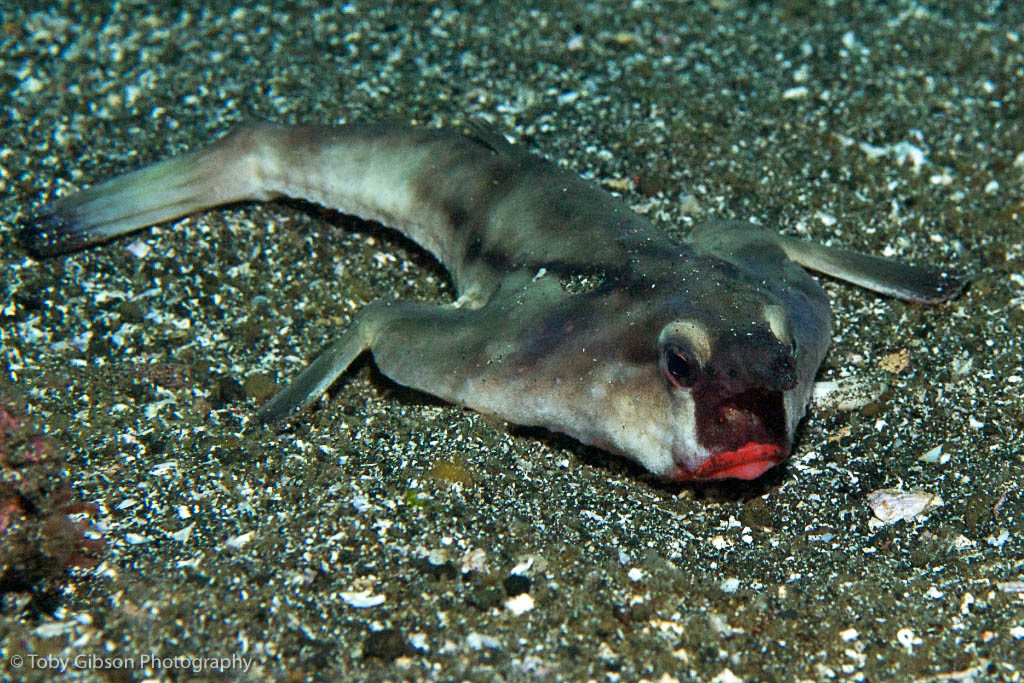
(749, 461)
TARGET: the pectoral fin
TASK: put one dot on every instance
(317, 377)
(411, 343)
(440, 350)
(919, 284)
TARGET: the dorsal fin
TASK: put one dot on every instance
(487, 134)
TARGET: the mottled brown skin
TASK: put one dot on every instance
(696, 360)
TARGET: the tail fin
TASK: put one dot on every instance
(225, 172)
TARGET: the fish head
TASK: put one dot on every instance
(698, 382)
(737, 382)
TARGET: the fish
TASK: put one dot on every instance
(695, 359)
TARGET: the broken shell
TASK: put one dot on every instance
(893, 505)
(846, 394)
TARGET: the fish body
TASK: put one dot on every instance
(695, 359)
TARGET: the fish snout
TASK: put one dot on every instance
(782, 372)
(742, 434)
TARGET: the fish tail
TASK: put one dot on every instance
(227, 171)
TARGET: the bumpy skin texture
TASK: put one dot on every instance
(696, 360)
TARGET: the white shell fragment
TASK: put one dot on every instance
(138, 249)
(57, 628)
(361, 599)
(520, 604)
(935, 456)
(846, 394)
(999, 538)
(726, 676)
(796, 92)
(474, 560)
(523, 568)
(478, 641)
(239, 541)
(902, 152)
(894, 505)
(907, 638)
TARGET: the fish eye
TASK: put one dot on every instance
(680, 367)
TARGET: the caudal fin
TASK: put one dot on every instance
(225, 172)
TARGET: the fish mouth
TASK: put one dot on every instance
(749, 461)
(745, 433)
